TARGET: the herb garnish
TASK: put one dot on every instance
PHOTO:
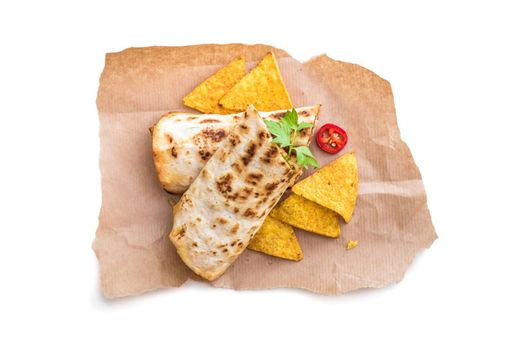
(285, 133)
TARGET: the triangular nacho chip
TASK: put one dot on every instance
(351, 244)
(334, 186)
(277, 239)
(263, 87)
(307, 215)
(205, 97)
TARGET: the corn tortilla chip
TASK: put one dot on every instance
(333, 186)
(307, 215)
(205, 97)
(277, 239)
(263, 87)
(351, 244)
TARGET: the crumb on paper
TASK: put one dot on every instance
(351, 244)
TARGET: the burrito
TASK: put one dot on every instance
(182, 143)
(224, 207)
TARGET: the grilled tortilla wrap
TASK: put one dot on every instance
(183, 142)
(224, 207)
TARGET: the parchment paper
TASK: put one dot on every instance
(391, 220)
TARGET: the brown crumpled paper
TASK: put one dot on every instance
(391, 220)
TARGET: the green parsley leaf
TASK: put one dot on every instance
(291, 119)
(305, 157)
(285, 133)
(281, 132)
(304, 150)
(304, 125)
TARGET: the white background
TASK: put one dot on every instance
(448, 66)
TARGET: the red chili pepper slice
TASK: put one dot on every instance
(331, 138)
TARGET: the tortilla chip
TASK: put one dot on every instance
(351, 244)
(263, 87)
(307, 215)
(334, 186)
(205, 97)
(277, 239)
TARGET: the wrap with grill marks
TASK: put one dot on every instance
(224, 207)
(182, 143)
